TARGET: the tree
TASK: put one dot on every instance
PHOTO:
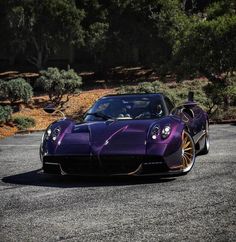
(128, 32)
(133, 36)
(95, 25)
(58, 84)
(208, 46)
(40, 27)
(10, 41)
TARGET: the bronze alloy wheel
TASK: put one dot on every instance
(188, 151)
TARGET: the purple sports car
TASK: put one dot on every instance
(135, 134)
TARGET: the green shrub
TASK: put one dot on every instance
(143, 87)
(16, 90)
(2, 90)
(58, 84)
(210, 96)
(177, 92)
(222, 94)
(24, 122)
(127, 89)
(5, 114)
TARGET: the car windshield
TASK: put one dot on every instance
(126, 107)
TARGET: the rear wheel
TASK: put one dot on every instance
(188, 152)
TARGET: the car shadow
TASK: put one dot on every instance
(37, 178)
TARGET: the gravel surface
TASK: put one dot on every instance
(200, 206)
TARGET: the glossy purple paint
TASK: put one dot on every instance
(121, 138)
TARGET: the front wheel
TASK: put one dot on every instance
(188, 152)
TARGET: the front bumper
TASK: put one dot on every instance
(109, 165)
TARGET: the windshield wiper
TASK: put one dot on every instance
(100, 115)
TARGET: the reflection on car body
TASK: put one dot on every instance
(134, 134)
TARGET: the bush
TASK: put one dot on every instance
(58, 84)
(2, 90)
(24, 122)
(222, 94)
(5, 114)
(16, 90)
(208, 95)
(143, 87)
(177, 93)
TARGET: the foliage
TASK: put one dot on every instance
(95, 26)
(177, 92)
(208, 45)
(208, 95)
(16, 90)
(23, 123)
(111, 32)
(184, 38)
(38, 28)
(220, 114)
(59, 83)
(2, 89)
(5, 114)
(222, 94)
(135, 33)
(209, 48)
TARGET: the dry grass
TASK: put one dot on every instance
(7, 130)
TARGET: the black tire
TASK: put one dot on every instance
(206, 148)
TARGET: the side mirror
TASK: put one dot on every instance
(52, 109)
(49, 108)
(190, 102)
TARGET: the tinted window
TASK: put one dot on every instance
(127, 107)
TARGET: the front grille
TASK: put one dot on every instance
(91, 165)
(121, 164)
(51, 169)
(76, 164)
(81, 165)
(154, 164)
(115, 164)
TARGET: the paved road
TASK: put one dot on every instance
(198, 207)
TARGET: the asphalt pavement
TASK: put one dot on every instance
(200, 206)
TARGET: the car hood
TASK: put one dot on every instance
(106, 138)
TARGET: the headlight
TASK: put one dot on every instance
(47, 134)
(155, 132)
(166, 132)
(55, 133)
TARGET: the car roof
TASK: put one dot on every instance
(134, 94)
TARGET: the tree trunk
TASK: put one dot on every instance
(71, 54)
(226, 103)
(12, 59)
(134, 55)
(39, 62)
(40, 56)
